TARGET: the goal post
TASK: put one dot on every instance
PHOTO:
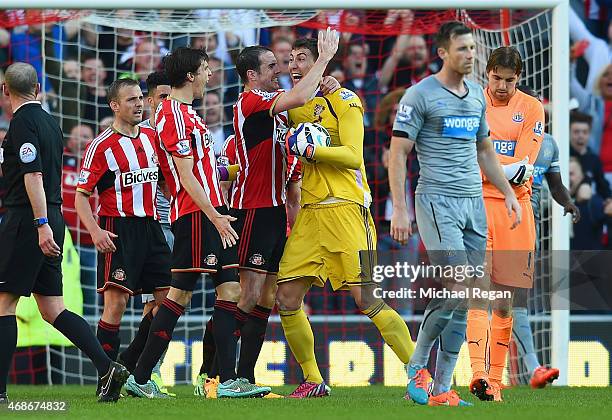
(558, 95)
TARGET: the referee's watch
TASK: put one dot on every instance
(40, 221)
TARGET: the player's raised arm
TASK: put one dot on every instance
(303, 90)
(487, 159)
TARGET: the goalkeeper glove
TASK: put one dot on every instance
(297, 145)
(519, 172)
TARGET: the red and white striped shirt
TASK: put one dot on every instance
(125, 172)
(183, 133)
(259, 152)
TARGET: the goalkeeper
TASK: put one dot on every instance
(516, 121)
(332, 227)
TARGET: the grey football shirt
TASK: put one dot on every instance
(445, 128)
(546, 162)
(163, 205)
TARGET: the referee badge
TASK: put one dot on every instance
(27, 153)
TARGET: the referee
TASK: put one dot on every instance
(30, 257)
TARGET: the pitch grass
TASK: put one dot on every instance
(373, 403)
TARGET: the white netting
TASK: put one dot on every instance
(104, 45)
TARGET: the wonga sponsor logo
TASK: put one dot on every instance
(505, 147)
(460, 127)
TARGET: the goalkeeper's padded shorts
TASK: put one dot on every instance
(331, 241)
(453, 229)
(512, 260)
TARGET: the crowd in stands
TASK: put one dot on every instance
(77, 61)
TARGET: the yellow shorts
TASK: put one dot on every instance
(325, 243)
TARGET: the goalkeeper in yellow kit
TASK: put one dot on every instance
(333, 226)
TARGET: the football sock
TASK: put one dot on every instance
(208, 348)
(241, 319)
(77, 330)
(523, 336)
(160, 334)
(130, 355)
(252, 335)
(8, 332)
(501, 331)
(225, 339)
(478, 338)
(108, 336)
(392, 328)
(451, 340)
(301, 342)
(437, 315)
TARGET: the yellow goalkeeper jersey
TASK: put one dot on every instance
(337, 171)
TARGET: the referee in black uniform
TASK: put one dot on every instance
(32, 231)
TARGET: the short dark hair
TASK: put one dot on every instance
(507, 57)
(309, 44)
(155, 79)
(529, 91)
(117, 85)
(448, 31)
(181, 61)
(580, 117)
(21, 79)
(248, 59)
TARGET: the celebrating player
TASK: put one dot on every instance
(516, 121)
(121, 163)
(258, 195)
(335, 200)
(30, 257)
(545, 166)
(444, 115)
(204, 237)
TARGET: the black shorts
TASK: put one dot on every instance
(198, 249)
(263, 233)
(141, 263)
(24, 269)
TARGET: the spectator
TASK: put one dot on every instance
(588, 231)
(580, 131)
(408, 63)
(358, 79)
(282, 49)
(214, 120)
(597, 52)
(598, 104)
(143, 60)
(80, 136)
(105, 123)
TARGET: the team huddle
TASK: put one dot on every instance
(229, 217)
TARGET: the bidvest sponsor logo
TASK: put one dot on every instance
(140, 176)
(505, 147)
(460, 127)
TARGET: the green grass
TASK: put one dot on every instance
(375, 403)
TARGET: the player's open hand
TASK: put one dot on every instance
(222, 222)
(571, 208)
(513, 206)
(401, 226)
(103, 240)
(329, 84)
(46, 242)
(328, 43)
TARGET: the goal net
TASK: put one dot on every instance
(382, 52)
